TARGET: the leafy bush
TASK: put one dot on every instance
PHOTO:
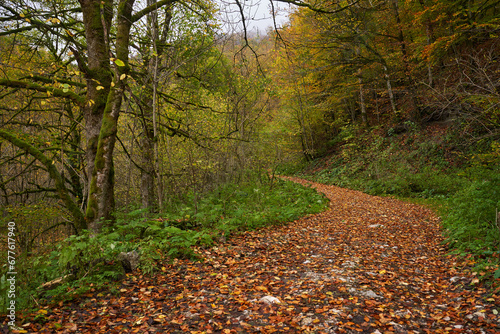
(406, 166)
(247, 206)
(31, 273)
(471, 221)
(37, 229)
(471, 217)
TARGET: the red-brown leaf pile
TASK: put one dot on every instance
(368, 265)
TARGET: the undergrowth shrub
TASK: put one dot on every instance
(250, 205)
(406, 166)
(471, 220)
(37, 229)
(31, 273)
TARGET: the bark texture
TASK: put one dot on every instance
(101, 202)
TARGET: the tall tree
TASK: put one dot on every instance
(97, 35)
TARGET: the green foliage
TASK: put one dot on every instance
(409, 166)
(97, 255)
(87, 255)
(249, 205)
(35, 264)
(471, 219)
(32, 272)
(290, 168)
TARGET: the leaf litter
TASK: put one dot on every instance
(367, 265)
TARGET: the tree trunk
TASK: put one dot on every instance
(148, 167)
(149, 141)
(101, 202)
(306, 148)
(97, 73)
(362, 103)
(402, 44)
(428, 33)
(99, 77)
(154, 69)
(389, 90)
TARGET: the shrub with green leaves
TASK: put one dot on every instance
(471, 220)
(37, 229)
(471, 216)
(247, 206)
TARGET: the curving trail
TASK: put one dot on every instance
(367, 265)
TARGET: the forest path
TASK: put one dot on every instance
(367, 265)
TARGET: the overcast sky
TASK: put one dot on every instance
(257, 14)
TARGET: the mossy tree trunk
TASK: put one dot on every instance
(97, 71)
(98, 74)
(106, 87)
(101, 202)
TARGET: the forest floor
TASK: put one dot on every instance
(367, 265)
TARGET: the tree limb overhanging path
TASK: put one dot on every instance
(367, 265)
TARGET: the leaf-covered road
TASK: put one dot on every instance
(368, 265)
